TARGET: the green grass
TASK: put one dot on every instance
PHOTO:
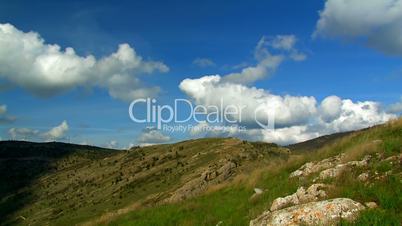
(232, 205)
(83, 186)
(375, 217)
(205, 210)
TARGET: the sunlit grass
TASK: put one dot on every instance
(231, 202)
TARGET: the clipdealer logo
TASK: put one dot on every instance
(211, 114)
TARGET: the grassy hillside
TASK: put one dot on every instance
(234, 204)
(63, 184)
(196, 182)
(30, 171)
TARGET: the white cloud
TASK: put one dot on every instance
(293, 110)
(376, 22)
(297, 118)
(56, 132)
(331, 108)
(281, 136)
(285, 42)
(395, 107)
(46, 70)
(357, 115)
(267, 62)
(112, 144)
(203, 62)
(23, 133)
(151, 136)
(4, 117)
(200, 128)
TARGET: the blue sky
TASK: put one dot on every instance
(178, 32)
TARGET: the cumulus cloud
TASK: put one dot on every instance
(331, 108)
(297, 118)
(56, 133)
(151, 135)
(377, 22)
(293, 110)
(46, 69)
(203, 62)
(267, 62)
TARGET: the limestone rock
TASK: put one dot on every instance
(283, 202)
(371, 205)
(311, 167)
(328, 212)
(200, 184)
(395, 159)
(258, 190)
(225, 171)
(363, 177)
(313, 193)
(340, 168)
(362, 163)
(333, 172)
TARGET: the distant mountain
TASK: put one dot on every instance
(318, 142)
(25, 149)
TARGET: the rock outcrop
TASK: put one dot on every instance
(328, 168)
(200, 184)
(313, 193)
(328, 212)
(311, 167)
(333, 172)
(304, 206)
(363, 177)
(337, 170)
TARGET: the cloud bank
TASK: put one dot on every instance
(297, 118)
(46, 69)
(56, 133)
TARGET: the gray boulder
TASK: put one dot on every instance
(328, 212)
(311, 167)
(313, 193)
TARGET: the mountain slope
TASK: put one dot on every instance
(196, 182)
(64, 184)
(237, 203)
